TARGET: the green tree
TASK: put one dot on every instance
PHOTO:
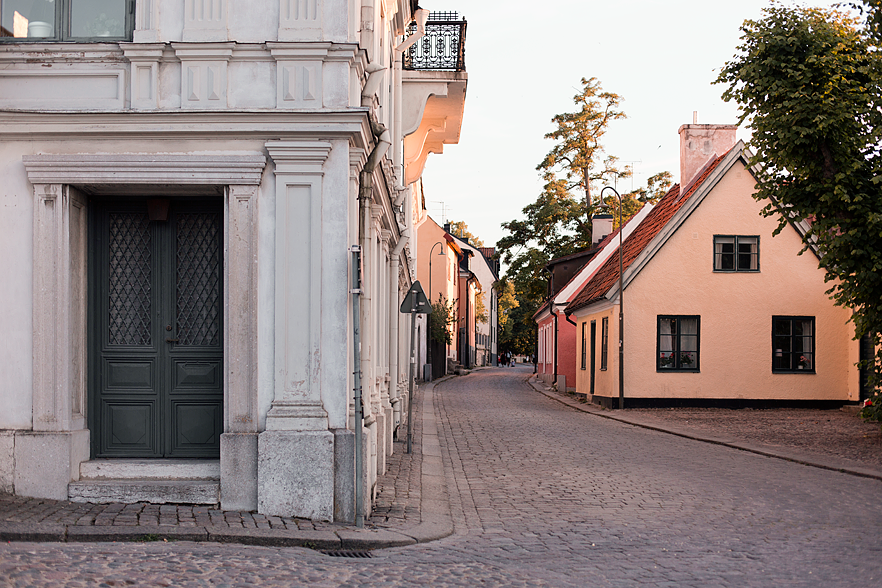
(558, 223)
(441, 319)
(461, 230)
(808, 81)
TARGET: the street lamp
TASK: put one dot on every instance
(429, 335)
(621, 303)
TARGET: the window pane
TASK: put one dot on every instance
(782, 327)
(687, 359)
(724, 253)
(689, 326)
(666, 359)
(782, 345)
(747, 253)
(31, 19)
(97, 18)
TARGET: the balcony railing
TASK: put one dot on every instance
(443, 46)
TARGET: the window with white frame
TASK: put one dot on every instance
(678, 340)
(793, 344)
(66, 20)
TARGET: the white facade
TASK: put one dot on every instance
(295, 119)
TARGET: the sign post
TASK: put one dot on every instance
(414, 303)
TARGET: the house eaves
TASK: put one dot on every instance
(610, 246)
(693, 201)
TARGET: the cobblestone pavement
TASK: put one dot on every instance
(543, 495)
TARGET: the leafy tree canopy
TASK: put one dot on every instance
(558, 223)
(808, 82)
(461, 230)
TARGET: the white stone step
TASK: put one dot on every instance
(150, 469)
(153, 491)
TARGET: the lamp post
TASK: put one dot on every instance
(429, 337)
(621, 303)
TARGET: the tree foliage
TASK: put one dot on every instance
(441, 319)
(461, 230)
(808, 81)
(558, 223)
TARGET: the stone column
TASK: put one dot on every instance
(296, 452)
(239, 455)
(48, 458)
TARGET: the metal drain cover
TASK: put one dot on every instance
(347, 553)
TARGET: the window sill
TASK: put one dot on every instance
(803, 372)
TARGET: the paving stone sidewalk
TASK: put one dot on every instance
(828, 439)
(398, 517)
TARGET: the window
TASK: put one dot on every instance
(736, 253)
(604, 342)
(584, 349)
(677, 343)
(66, 20)
(793, 344)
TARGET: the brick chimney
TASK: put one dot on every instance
(700, 143)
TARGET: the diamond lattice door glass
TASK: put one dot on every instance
(157, 331)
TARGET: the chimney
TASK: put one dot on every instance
(601, 226)
(447, 227)
(700, 143)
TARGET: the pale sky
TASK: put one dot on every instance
(525, 60)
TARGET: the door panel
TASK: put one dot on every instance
(157, 330)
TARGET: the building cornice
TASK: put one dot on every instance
(191, 124)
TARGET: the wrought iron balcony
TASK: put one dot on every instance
(443, 46)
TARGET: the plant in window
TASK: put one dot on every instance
(666, 360)
(803, 363)
(685, 359)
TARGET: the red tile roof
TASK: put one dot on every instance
(643, 234)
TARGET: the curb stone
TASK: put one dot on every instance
(435, 519)
(792, 455)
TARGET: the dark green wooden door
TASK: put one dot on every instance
(157, 331)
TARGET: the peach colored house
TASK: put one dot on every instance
(717, 310)
(438, 273)
(557, 334)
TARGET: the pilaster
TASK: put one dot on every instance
(204, 73)
(297, 404)
(299, 69)
(205, 21)
(300, 20)
(144, 74)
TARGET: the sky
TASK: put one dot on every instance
(525, 61)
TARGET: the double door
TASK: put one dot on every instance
(156, 328)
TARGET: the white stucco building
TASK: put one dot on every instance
(187, 186)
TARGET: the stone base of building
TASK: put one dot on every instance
(295, 474)
(238, 474)
(46, 462)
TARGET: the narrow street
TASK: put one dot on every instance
(542, 495)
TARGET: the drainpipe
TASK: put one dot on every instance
(394, 315)
(365, 188)
(420, 16)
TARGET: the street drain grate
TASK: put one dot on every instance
(346, 553)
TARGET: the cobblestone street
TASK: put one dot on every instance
(543, 495)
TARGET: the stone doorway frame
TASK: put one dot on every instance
(48, 457)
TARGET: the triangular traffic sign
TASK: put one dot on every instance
(416, 300)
